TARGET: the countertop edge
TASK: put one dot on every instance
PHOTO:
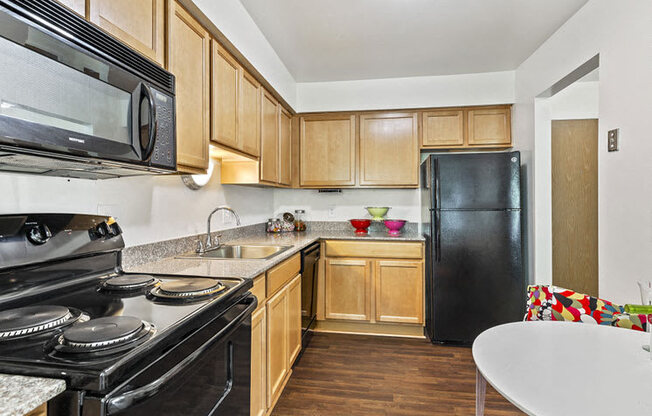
(22, 394)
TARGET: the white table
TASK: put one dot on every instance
(565, 368)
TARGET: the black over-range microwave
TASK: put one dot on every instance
(76, 102)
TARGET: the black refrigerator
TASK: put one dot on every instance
(472, 221)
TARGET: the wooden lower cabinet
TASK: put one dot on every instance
(399, 291)
(348, 289)
(277, 344)
(259, 362)
(294, 319)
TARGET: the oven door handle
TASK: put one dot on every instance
(134, 397)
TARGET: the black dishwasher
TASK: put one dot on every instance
(309, 259)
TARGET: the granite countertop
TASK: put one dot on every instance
(20, 394)
(250, 269)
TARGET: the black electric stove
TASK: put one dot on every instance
(125, 343)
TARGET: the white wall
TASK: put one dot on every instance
(148, 208)
(414, 92)
(349, 204)
(232, 19)
(580, 100)
(621, 32)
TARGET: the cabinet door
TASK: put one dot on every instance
(294, 319)
(285, 147)
(389, 149)
(327, 150)
(225, 73)
(77, 6)
(259, 363)
(277, 343)
(188, 60)
(348, 290)
(249, 115)
(489, 126)
(399, 291)
(139, 24)
(269, 139)
(443, 128)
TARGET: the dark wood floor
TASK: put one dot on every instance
(364, 375)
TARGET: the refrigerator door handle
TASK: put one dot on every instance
(437, 236)
(436, 191)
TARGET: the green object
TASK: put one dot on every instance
(378, 213)
(638, 309)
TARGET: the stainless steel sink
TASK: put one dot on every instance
(248, 251)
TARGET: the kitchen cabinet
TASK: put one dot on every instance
(443, 128)
(249, 114)
(327, 149)
(399, 291)
(348, 289)
(294, 319)
(277, 344)
(269, 133)
(188, 59)
(285, 148)
(489, 126)
(467, 128)
(225, 77)
(389, 149)
(77, 6)
(259, 362)
(139, 24)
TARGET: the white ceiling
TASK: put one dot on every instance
(332, 40)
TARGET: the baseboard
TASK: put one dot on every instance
(364, 328)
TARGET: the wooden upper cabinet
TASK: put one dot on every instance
(249, 114)
(77, 6)
(348, 289)
(327, 149)
(225, 77)
(140, 24)
(389, 149)
(443, 128)
(285, 147)
(490, 126)
(188, 59)
(269, 138)
(399, 291)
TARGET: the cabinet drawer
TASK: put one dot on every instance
(259, 290)
(278, 276)
(373, 249)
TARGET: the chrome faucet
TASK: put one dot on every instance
(210, 244)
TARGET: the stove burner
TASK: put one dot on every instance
(188, 288)
(33, 320)
(108, 334)
(129, 282)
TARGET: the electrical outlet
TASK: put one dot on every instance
(612, 140)
(331, 211)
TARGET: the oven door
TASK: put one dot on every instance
(57, 97)
(207, 374)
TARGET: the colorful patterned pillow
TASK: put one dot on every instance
(552, 303)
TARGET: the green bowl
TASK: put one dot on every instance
(378, 213)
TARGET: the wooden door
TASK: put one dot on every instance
(285, 147)
(140, 24)
(269, 139)
(443, 128)
(575, 205)
(327, 150)
(77, 6)
(225, 77)
(399, 291)
(249, 115)
(489, 126)
(389, 149)
(259, 363)
(294, 319)
(348, 289)
(188, 60)
(277, 344)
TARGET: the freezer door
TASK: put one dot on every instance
(477, 181)
(477, 274)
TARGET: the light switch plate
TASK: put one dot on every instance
(612, 140)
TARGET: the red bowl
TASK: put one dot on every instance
(360, 226)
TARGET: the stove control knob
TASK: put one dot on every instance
(101, 230)
(39, 234)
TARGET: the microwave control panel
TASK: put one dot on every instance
(165, 152)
